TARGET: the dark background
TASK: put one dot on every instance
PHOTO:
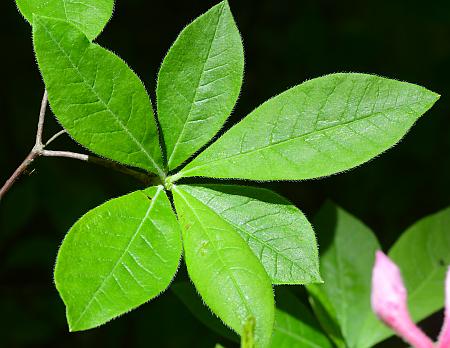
(286, 42)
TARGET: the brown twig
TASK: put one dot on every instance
(39, 150)
(40, 127)
(53, 138)
(144, 178)
(17, 173)
(34, 153)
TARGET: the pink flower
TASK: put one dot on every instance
(444, 337)
(389, 302)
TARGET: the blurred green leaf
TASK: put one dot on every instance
(295, 326)
(423, 256)
(348, 247)
(191, 299)
(347, 257)
(325, 313)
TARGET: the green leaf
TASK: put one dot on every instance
(295, 326)
(118, 256)
(321, 127)
(276, 231)
(347, 257)
(187, 294)
(290, 332)
(96, 97)
(226, 273)
(199, 82)
(90, 16)
(423, 255)
(325, 313)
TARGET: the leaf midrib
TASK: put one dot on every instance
(177, 142)
(241, 295)
(281, 142)
(106, 106)
(119, 260)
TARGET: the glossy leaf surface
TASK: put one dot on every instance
(321, 127)
(199, 82)
(97, 98)
(118, 256)
(277, 232)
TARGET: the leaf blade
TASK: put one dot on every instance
(197, 88)
(432, 232)
(276, 231)
(131, 263)
(90, 16)
(426, 292)
(244, 284)
(347, 256)
(295, 326)
(422, 254)
(187, 294)
(100, 102)
(321, 127)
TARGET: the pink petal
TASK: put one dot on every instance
(444, 337)
(389, 302)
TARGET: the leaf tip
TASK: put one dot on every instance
(72, 324)
(431, 97)
(437, 96)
